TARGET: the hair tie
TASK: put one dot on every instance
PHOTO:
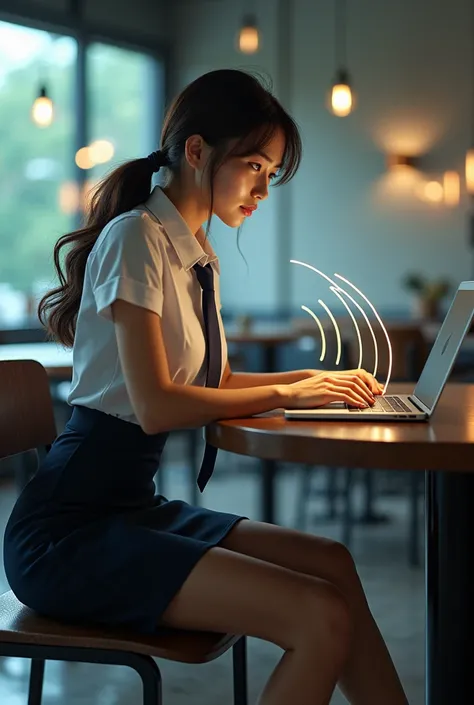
(157, 160)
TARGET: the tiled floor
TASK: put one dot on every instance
(395, 593)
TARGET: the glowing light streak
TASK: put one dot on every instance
(333, 289)
(336, 328)
(339, 288)
(381, 323)
(323, 335)
(376, 347)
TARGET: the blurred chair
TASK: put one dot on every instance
(409, 351)
(26, 424)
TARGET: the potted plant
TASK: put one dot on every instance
(428, 294)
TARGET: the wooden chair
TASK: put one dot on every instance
(27, 423)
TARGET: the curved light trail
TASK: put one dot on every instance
(323, 335)
(359, 339)
(336, 328)
(381, 323)
(339, 288)
(376, 347)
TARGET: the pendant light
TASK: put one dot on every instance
(248, 38)
(42, 111)
(341, 98)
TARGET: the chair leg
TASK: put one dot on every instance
(239, 657)
(149, 672)
(35, 691)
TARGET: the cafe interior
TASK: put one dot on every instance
(383, 94)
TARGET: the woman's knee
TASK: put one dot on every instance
(343, 571)
(324, 617)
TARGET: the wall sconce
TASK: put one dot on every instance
(470, 171)
(395, 161)
(451, 188)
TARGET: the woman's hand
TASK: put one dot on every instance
(374, 386)
(354, 387)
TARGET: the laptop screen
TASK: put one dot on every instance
(443, 353)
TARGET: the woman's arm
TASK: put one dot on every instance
(244, 380)
(161, 405)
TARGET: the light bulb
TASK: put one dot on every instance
(42, 110)
(341, 99)
(249, 37)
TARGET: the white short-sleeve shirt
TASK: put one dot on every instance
(146, 257)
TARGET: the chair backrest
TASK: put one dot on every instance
(26, 409)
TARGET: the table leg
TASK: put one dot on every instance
(369, 515)
(269, 467)
(270, 358)
(449, 587)
(267, 510)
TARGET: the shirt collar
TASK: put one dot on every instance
(185, 244)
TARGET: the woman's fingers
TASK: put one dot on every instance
(372, 383)
(349, 395)
(357, 385)
(366, 378)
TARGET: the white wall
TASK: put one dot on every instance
(412, 68)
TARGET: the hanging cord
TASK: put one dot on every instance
(472, 74)
(340, 33)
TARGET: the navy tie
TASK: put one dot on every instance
(205, 277)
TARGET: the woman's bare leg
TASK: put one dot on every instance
(369, 676)
(232, 593)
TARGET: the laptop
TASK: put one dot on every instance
(420, 405)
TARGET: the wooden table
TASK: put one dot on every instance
(444, 449)
(269, 339)
(56, 360)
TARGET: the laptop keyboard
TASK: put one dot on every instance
(384, 405)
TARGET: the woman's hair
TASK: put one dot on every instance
(235, 114)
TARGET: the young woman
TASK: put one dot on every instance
(88, 540)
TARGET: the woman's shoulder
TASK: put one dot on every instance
(136, 224)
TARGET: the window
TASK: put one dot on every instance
(122, 99)
(34, 161)
(38, 177)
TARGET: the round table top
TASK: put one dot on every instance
(445, 442)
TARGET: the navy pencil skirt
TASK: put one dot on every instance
(89, 541)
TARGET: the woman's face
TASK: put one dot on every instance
(242, 182)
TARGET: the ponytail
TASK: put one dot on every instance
(125, 188)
